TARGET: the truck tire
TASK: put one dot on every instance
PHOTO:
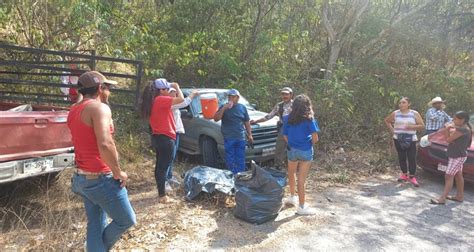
(210, 155)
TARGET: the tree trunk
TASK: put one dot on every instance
(333, 56)
(337, 38)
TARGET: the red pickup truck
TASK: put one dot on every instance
(35, 140)
(34, 137)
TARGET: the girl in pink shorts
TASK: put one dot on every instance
(459, 137)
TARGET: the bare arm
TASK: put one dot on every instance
(101, 122)
(179, 98)
(452, 135)
(420, 125)
(218, 115)
(314, 138)
(389, 120)
(249, 131)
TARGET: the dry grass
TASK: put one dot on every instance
(339, 166)
(41, 214)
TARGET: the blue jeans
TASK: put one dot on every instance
(300, 155)
(104, 196)
(169, 173)
(235, 155)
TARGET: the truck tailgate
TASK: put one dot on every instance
(33, 134)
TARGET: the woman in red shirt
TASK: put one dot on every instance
(155, 106)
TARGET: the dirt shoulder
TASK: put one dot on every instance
(376, 214)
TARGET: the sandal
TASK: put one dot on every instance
(453, 199)
(436, 202)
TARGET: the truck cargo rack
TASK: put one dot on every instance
(33, 75)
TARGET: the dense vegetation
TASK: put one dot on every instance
(353, 58)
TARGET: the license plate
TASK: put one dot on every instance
(442, 167)
(268, 151)
(37, 165)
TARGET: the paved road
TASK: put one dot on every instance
(380, 214)
(376, 215)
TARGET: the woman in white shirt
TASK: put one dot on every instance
(403, 124)
(179, 130)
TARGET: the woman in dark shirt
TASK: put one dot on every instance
(459, 137)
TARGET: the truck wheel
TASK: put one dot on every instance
(210, 155)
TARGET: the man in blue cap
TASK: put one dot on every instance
(235, 128)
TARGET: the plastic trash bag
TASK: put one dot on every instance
(259, 194)
(425, 141)
(21, 108)
(206, 179)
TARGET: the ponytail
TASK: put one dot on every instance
(465, 116)
(146, 101)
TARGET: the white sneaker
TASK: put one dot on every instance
(306, 210)
(174, 182)
(291, 200)
(168, 187)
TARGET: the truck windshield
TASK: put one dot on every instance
(222, 99)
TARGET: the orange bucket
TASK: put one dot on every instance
(209, 105)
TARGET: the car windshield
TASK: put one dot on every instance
(221, 98)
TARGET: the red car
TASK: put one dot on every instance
(433, 157)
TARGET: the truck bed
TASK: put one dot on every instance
(37, 133)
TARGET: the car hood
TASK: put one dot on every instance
(440, 138)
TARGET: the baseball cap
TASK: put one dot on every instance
(161, 84)
(233, 92)
(286, 90)
(93, 79)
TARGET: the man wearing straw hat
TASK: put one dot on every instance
(435, 117)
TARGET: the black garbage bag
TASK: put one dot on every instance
(206, 179)
(259, 194)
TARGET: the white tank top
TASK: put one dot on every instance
(401, 122)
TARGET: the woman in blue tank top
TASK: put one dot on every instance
(403, 124)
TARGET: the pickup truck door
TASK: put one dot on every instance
(189, 142)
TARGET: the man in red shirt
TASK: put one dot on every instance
(98, 177)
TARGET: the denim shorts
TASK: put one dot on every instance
(300, 155)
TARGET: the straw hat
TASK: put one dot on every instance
(437, 99)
